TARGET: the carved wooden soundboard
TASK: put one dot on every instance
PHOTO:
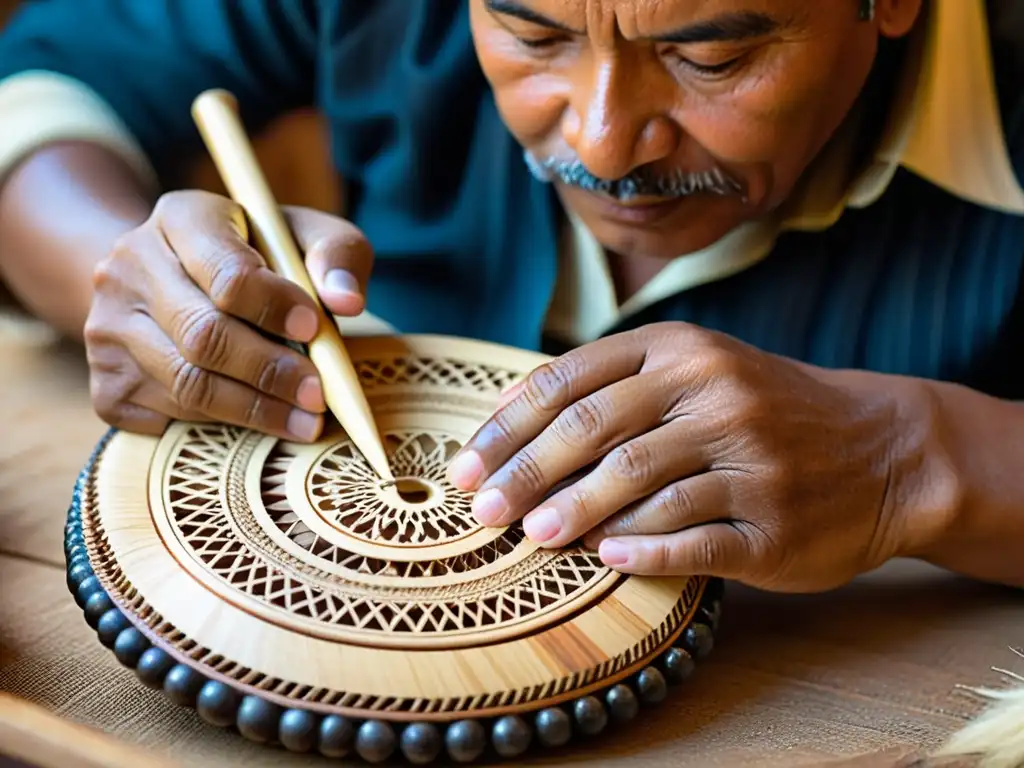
(278, 589)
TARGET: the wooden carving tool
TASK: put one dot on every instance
(215, 113)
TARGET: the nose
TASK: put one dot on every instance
(618, 126)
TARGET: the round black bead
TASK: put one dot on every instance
(554, 727)
(153, 666)
(337, 736)
(511, 736)
(257, 719)
(622, 703)
(110, 625)
(421, 743)
(182, 685)
(95, 607)
(651, 686)
(375, 741)
(217, 704)
(297, 730)
(129, 646)
(677, 665)
(466, 740)
(712, 613)
(699, 640)
(80, 559)
(78, 571)
(87, 587)
(591, 717)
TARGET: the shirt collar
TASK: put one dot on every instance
(944, 126)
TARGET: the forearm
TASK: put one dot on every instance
(61, 210)
(963, 496)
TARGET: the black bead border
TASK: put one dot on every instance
(375, 741)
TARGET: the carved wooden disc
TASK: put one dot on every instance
(286, 571)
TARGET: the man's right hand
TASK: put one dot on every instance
(171, 333)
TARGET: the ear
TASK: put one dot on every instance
(895, 18)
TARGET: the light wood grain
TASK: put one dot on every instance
(215, 114)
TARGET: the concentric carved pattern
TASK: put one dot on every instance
(227, 541)
(343, 488)
(275, 472)
(121, 588)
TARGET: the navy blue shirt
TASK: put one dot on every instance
(919, 283)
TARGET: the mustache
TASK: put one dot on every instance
(641, 182)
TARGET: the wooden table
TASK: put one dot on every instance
(796, 680)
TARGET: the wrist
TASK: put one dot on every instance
(958, 480)
(927, 492)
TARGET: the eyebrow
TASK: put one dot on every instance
(741, 25)
(514, 9)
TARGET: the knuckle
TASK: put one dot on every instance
(678, 503)
(274, 375)
(661, 556)
(708, 553)
(631, 462)
(169, 201)
(581, 422)
(203, 337)
(191, 387)
(96, 333)
(581, 507)
(106, 274)
(230, 273)
(719, 362)
(526, 472)
(503, 424)
(550, 386)
(628, 522)
(105, 399)
(254, 412)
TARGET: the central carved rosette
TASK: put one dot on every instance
(344, 489)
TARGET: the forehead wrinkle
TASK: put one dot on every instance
(601, 21)
(638, 19)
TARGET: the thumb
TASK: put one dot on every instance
(338, 257)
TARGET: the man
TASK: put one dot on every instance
(775, 247)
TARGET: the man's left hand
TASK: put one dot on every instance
(676, 450)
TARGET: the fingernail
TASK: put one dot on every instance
(490, 506)
(613, 552)
(302, 424)
(465, 472)
(310, 394)
(300, 323)
(341, 281)
(542, 525)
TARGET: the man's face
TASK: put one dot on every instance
(666, 123)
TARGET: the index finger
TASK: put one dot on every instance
(209, 239)
(542, 396)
